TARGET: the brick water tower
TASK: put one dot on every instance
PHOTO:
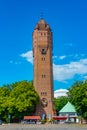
(43, 70)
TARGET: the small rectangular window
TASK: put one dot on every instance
(43, 58)
(43, 75)
(43, 93)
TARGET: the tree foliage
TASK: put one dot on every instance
(18, 99)
(60, 103)
(78, 96)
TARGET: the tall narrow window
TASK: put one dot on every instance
(43, 75)
(43, 58)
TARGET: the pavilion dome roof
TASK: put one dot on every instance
(68, 108)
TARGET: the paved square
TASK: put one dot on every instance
(43, 127)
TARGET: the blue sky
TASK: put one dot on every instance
(68, 21)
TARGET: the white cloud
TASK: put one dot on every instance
(55, 57)
(63, 72)
(79, 56)
(14, 62)
(68, 71)
(75, 56)
(62, 57)
(60, 92)
(59, 57)
(28, 56)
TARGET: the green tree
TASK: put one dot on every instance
(18, 99)
(23, 99)
(4, 94)
(78, 96)
(60, 102)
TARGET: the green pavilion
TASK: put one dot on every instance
(69, 111)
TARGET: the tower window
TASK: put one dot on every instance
(43, 93)
(44, 34)
(43, 75)
(43, 58)
(43, 51)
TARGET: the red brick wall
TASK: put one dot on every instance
(43, 71)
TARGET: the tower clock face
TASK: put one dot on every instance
(44, 102)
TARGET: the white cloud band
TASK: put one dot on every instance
(68, 71)
(28, 56)
(65, 71)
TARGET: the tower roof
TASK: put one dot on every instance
(42, 25)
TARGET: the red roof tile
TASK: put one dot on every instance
(32, 117)
(60, 117)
